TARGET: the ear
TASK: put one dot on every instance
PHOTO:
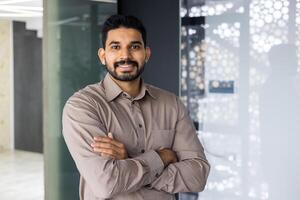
(148, 54)
(101, 55)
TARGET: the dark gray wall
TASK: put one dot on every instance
(162, 21)
(27, 89)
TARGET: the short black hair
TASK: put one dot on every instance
(127, 21)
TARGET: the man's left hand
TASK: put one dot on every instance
(108, 146)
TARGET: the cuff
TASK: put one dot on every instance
(184, 155)
(153, 162)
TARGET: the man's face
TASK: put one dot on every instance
(124, 54)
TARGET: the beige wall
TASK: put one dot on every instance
(5, 84)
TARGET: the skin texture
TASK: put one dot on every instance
(168, 156)
(125, 56)
(125, 44)
(107, 146)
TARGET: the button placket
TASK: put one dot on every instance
(139, 124)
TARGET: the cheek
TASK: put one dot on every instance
(142, 63)
(109, 59)
(140, 59)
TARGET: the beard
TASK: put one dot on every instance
(126, 76)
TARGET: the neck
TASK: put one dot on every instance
(130, 87)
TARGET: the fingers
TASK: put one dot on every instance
(112, 153)
(107, 155)
(103, 145)
(109, 140)
(106, 151)
(110, 135)
(168, 156)
(107, 146)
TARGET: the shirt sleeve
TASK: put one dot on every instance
(190, 173)
(106, 177)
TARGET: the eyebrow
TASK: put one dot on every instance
(113, 42)
(136, 42)
(133, 42)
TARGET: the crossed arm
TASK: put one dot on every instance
(109, 147)
(114, 173)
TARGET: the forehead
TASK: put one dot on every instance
(123, 35)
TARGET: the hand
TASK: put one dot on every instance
(168, 156)
(107, 146)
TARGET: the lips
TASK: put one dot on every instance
(125, 62)
(126, 68)
(125, 65)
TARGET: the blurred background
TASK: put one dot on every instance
(234, 63)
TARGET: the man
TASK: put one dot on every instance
(131, 140)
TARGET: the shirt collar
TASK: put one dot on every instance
(112, 90)
(145, 89)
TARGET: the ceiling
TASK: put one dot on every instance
(28, 11)
(20, 9)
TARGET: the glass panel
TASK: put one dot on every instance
(240, 81)
(72, 38)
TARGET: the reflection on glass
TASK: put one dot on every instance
(279, 114)
(72, 38)
(249, 134)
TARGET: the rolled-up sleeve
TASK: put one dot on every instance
(191, 171)
(106, 177)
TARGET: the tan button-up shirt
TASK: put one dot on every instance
(153, 120)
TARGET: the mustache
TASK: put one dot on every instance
(125, 62)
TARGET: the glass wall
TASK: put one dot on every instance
(240, 81)
(71, 41)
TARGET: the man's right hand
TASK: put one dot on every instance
(168, 156)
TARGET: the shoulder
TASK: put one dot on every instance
(165, 97)
(160, 93)
(169, 101)
(87, 97)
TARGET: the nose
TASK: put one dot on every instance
(125, 54)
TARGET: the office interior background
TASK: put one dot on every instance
(234, 63)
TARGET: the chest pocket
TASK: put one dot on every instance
(162, 139)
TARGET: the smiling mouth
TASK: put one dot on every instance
(126, 68)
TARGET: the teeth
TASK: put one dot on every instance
(126, 66)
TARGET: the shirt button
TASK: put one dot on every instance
(143, 150)
(140, 125)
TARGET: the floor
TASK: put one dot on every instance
(21, 176)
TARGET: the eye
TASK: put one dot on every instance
(116, 47)
(135, 46)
